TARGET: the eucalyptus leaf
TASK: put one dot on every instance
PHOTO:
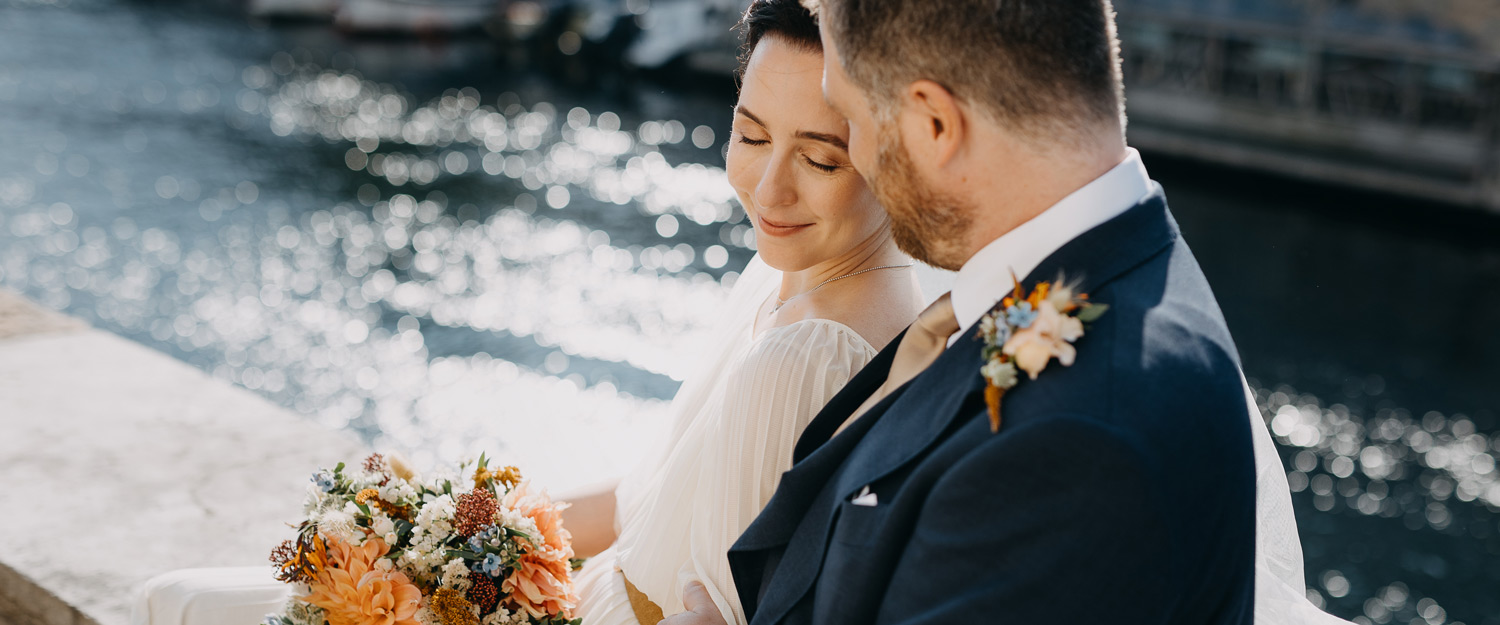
(1092, 312)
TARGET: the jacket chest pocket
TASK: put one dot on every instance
(858, 525)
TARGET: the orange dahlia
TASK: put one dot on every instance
(353, 590)
(542, 583)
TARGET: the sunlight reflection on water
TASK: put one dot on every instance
(330, 310)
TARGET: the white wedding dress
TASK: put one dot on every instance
(735, 423)
(734, 426)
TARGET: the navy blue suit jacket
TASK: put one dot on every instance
(1118, 490)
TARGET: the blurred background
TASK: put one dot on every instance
(449, 224)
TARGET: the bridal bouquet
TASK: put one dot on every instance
(382, 546)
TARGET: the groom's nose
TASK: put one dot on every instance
(778, 184)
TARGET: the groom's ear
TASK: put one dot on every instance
(936, 123)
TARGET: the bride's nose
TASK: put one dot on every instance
(777, 185)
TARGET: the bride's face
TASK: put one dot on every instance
(789, 162)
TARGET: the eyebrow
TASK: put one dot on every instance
(802, 134)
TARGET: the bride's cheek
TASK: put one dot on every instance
(741, 178)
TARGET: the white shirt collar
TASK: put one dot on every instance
(986, 277)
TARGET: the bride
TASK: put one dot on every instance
(828, 290)
(831, 290)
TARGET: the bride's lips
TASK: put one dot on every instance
(779, 230)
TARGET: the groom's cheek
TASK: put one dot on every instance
(862, 156)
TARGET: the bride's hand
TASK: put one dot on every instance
(700, 608)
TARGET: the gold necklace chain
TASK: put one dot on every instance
(782, 302)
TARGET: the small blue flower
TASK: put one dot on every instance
(272, 619)
(1021, 315)
(324, 479)
(476, 543)
(492, 565)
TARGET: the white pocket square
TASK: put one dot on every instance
(865, 498)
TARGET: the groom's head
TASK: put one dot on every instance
(953, 102)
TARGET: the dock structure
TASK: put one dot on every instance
(1398, 96)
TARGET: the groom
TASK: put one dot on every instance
(1117, 489)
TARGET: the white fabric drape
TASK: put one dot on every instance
(1280, 590)
(735, 425)
(216, 596)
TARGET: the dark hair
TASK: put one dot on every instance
(1043, 66)
(786, 19)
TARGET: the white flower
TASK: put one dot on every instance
(425, 616)
(1061, 297)
(338, 524)
(1000, 374)
(312, 501)
(300, 613)
(382, 525)
(502, 616)
(512, 519)
(361, 480)
(456, 575)
(397, 491)
(436, 517)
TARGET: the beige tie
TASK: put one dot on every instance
(925, 340)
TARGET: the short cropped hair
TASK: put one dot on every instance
(1042, 66)
(786, 19)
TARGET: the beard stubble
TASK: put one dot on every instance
(927, 224)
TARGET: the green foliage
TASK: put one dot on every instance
(1092, 312)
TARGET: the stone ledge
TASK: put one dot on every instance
(19, 316)
(122, 463)
(22, 602)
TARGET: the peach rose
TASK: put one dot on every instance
(353, 589)
(542, 586)
(547, 514)
(1050, 335)
(542, 583)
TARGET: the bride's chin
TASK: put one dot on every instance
(783, 260)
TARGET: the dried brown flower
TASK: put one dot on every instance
(299, 560)
(475, 511)
(483, 593)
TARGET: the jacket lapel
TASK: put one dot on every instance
(920, 415)
(915, 416)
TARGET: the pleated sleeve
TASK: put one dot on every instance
(769, 397)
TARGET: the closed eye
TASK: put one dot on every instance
(821, 166)
(748, 141)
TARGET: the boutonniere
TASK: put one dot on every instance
(1027, 331)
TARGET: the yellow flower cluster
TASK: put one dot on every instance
(452, 608)
(509, 476)
(370, 496)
